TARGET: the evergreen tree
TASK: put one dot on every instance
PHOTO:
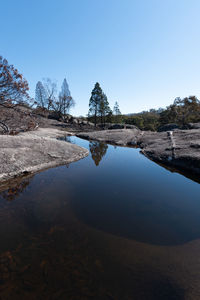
(99, 105)
(182, 111)
(104, 108)
(95, 102)
(40, 95)
(117, 112)
(97, 150)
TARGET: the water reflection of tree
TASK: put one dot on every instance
(98, 150)
(66, 139)
(14, 190)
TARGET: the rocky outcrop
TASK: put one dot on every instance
(109, 126)
(30, 152)
(121, 137)
(168, 127)
(178, 148)
(15, 119)
(193, 126)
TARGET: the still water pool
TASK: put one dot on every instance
(114, 225)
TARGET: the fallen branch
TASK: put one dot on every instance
(4, 127)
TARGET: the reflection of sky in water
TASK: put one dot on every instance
(113, 223)
(118, 190)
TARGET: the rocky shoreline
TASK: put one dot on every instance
(33, 151)
(178, 148)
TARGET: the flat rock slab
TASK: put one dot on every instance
(178, 148)
(30, 152)
(45, 133)
(121, 137)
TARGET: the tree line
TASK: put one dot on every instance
(181, 112)
(14, 90)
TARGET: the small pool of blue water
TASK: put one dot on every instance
(109, 226)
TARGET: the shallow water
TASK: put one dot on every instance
(113, 225)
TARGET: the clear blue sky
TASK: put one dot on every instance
(144, 53)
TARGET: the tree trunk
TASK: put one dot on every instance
(95, 119)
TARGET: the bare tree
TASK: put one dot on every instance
(66, 101)
(51, 92)
(41, 95)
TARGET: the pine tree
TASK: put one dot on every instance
(95, 101)
(104, 108)
(117, 112)
(40, 95)
(97, 150)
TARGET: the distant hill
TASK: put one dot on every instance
(154, 111)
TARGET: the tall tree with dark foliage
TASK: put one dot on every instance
(104, 109)
(95, 100)
(98, 105)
